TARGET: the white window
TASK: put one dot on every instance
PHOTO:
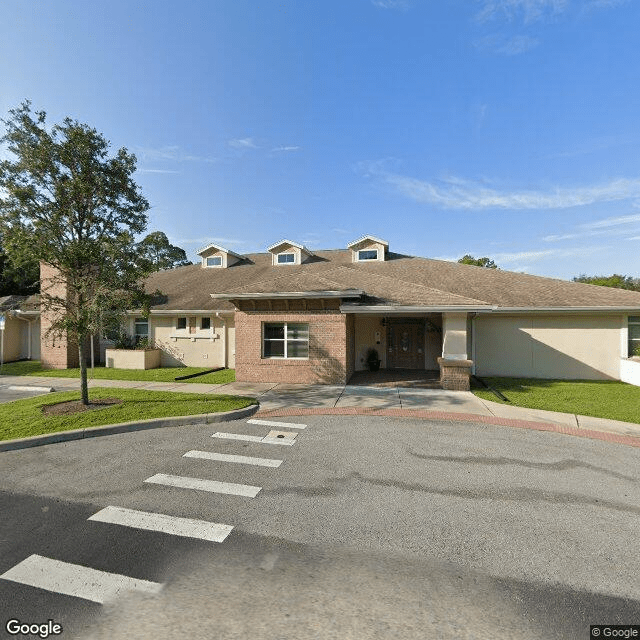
(368, 254)
(634, 336)
(285, 340)
(215, 261)
(181, 323)
(286, 258)
(141, 329)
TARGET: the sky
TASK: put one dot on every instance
(500, 128)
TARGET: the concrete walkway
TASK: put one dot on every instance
(389, 400)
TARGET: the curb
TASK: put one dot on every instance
(591, 434)
(24, 387)
(126, 427)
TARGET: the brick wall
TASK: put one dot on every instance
(454, 374)
(329, 362)
(56, 352)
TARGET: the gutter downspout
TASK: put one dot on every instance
(224, 339)
(474, 317)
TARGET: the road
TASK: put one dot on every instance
(371, 527)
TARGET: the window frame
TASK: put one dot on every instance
(137, 321)
(213, 266)
(361, 251)
(285, 340)
(286, 255)
(632, 343)
(178, 327)
(202, 319)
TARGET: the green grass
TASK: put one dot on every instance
(601, 399)
(164, 374)
(24, 418)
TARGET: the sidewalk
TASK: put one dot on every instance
(276, 399)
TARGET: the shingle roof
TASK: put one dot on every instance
(400, 280)
(20, 303)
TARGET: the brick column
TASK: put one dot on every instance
(454, 374)
(56, 352)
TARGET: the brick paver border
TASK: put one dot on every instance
(454, 417)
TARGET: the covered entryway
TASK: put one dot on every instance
(413, 343)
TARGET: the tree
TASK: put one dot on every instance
(616, 280)
(65, 201)
(156, 248)
(21, 279)
(487, 263)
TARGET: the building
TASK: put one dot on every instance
(295, 315)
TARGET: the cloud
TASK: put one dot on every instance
(458, 193)
(612, 222)
(526, 10)
(391, 4)
(170, 154)
(286, 148)
(508, 46)
(617, 226)
(242, 143)
(157, 171)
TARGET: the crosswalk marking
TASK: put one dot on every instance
(225, 457)
(259, 439)
(173, 525)
(205, 485)
(75, 580)
(273, 423)
(237, 436)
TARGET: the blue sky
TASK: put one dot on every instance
(505, 128)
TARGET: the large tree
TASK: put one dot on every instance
(66, 201)
(616, 280)
(160, 253)
(487, 263)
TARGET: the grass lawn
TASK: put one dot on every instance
(164, 374)
(23, 418)
(601, 399)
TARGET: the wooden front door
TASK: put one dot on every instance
(406, 346)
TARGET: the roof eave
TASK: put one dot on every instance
(346, 293)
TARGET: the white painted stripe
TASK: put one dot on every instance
(225, 457)
(237, 436)
(173, 525)
(273, 423)
(205, 485)
(283, 441)
(75, 580)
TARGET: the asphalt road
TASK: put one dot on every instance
(7, 394)
(370, 528)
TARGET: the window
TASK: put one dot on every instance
(634, 336)
(285, 340)
(286, 258)
(205, 323)
(215, 261)
(141, 329)
(368, 254)
(181, 323)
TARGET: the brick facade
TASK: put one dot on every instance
(56, 352)
(331, 352)
(454, 374)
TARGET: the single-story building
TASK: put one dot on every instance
(291, 314)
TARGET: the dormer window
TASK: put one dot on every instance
(286, 258)
(215, 257)
(368, 249)
(288, 252)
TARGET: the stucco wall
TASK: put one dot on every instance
(365, 339)
(12, 339)
(553, 346)
(204, 348)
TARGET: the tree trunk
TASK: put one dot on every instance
(84, 389)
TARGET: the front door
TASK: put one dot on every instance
(406, 346)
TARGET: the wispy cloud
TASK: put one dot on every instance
(526, 10)
(458, 193)
(283, 149)
(169, 154)
(505, 45)
(202, 242)
(157, 171)
(242, 143)
(615, 226)
(391, 4)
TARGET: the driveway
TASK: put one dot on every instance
(370, 527)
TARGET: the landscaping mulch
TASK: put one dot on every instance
(76, 406)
